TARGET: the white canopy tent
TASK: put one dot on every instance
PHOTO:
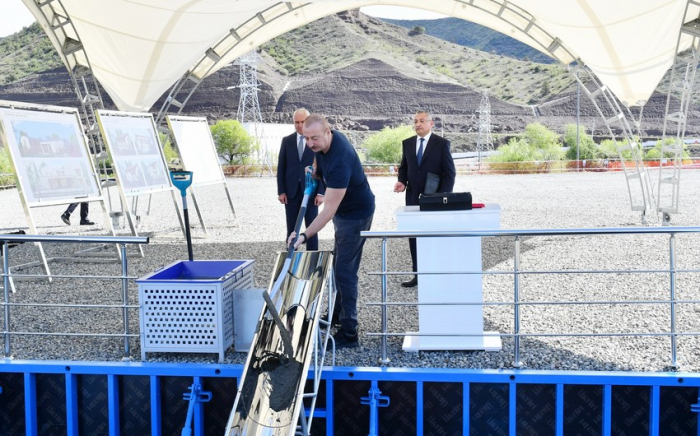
(138, 49)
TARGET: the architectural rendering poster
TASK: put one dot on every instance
(136, 154)
(50, 155)
(197, 149)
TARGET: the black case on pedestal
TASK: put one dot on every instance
(445, 201)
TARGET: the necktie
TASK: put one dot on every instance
(300, 147)
(419, 156)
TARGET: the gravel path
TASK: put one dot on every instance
(583, 200)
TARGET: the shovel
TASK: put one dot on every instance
(182, 180)
(309, 191)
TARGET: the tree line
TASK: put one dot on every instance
(536, 144)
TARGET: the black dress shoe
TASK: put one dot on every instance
(411, 283)
(86, 223)
(346, 339)
(66, 218)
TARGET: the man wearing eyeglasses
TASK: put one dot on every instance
(426, 168)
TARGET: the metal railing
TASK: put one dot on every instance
(8, 276)
(517, 273)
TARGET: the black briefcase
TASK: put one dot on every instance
(445, 201)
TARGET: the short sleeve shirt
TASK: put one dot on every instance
(340, 168)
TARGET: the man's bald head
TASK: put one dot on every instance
(299, 116)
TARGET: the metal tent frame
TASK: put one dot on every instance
(61, 30)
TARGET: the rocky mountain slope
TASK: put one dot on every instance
(366, 74)
(476, 36)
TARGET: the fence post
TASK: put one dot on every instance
(6, 295)
(125, 302)
(385, 359)
(672, 276)
(516, 304)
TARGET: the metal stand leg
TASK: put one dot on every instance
(130, 218)
(199, 214)
(228, 195)
(32, 229)
(179, 215)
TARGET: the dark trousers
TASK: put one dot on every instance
(411, 201)
(412, 247)
(346, 264)
(291, 210)
(84, 209)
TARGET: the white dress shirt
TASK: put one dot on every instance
(425, 143)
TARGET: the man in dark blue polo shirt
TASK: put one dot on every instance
(349, 202)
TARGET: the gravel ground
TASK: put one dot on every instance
(583, 200)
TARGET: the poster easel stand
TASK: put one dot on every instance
(199, 214)
(139, 162)
(51, 161)
(198, 154)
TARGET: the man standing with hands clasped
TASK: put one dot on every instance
(294, 157)
(426, 168)
(349, 202)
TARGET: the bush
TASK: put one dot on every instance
(539, 136)
(655, 152)
(168, 149)
(417, 30)
(588, 150)
(608, 150)
(538, 144)
(385, 146)
(7, 176)
(232, 141)
(545, 142)
(517, 150)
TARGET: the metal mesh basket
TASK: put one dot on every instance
(187, 307)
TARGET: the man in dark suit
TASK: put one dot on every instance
(423, 154)
(294, 157)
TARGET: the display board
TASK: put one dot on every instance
(52, 161)
(198, 153)
(137, 157)
(197, 149)
(50, 155)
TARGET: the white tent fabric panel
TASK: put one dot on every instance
(139, 48)
(628, 44)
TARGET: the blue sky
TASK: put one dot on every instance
(15, 15)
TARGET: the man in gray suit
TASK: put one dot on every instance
(294, 157)
(423, 154)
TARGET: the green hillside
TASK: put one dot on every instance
(26, 52)
(475, 36)
(340, 40)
